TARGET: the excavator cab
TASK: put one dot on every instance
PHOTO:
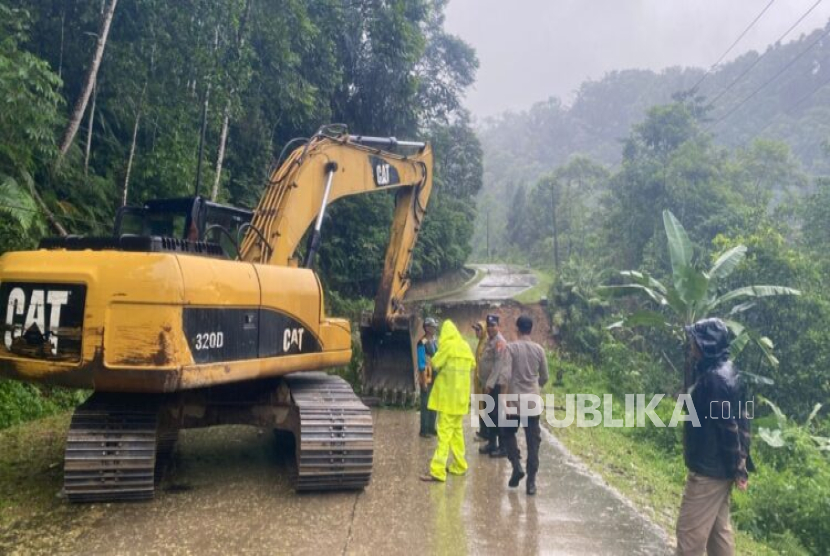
(192, 219)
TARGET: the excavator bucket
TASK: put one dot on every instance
(389, 361)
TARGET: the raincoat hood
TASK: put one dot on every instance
(451, 345)
(712, 338)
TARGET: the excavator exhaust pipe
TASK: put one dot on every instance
(389, 360)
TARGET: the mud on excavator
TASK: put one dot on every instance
(194, 314)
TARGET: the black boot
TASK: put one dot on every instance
(498, 453)
(516, 477)
(488, 448)
(531, 485)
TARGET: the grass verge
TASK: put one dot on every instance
(544, 280)
(31, 468)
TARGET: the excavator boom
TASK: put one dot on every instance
(330, 167)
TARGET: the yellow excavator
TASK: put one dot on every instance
(194, 314)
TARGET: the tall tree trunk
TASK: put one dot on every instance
(223, 136)
(49, 215)
(89, 80)
(205, 107)
(90, 125)
(220, 156)
(138, 113)
(132, 146)
(203, 130)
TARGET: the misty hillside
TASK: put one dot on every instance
(788, 92)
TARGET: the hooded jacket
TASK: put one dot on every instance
(719, 447)
(454, 360)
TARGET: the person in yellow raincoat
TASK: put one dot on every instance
(450, 398)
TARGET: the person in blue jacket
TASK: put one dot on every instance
(427, 347)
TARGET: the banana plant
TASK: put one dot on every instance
(787, 428)
(693, 294)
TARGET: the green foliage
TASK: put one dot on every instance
(788, 494)
(277, 71)
(29, 93)
(552, 221)
(444, 240)
(577, 310)
(815, 210)
(693, 294)
(20, 402)
(799, 325)
(28, 122)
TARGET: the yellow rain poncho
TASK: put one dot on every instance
(454, 361)
(450, 397)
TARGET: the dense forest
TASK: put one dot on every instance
(110, 103)
(781, 94)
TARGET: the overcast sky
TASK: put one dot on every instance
(530, 50)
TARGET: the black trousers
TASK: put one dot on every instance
(493, 433)
(427, 416)
(533, 437)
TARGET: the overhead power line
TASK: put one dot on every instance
(792, 108)
(761, 57)
(770, 80)
(728, 50)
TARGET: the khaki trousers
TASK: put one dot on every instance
(703, 523)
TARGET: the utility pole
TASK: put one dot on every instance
(488, 234)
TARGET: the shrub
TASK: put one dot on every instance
(21, 402)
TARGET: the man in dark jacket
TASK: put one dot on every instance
(717, 451)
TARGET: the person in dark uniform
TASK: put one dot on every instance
(427, 347)
(494, 373)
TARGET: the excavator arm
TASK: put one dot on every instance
(313, 176)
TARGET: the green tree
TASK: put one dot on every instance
(693, 294)
(444, 239)
(518, 226)
(28, 123)
(800, 325)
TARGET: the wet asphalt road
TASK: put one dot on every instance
(229, 493)
(500, 281)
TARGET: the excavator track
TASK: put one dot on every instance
(111, 450)
(334, 442)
